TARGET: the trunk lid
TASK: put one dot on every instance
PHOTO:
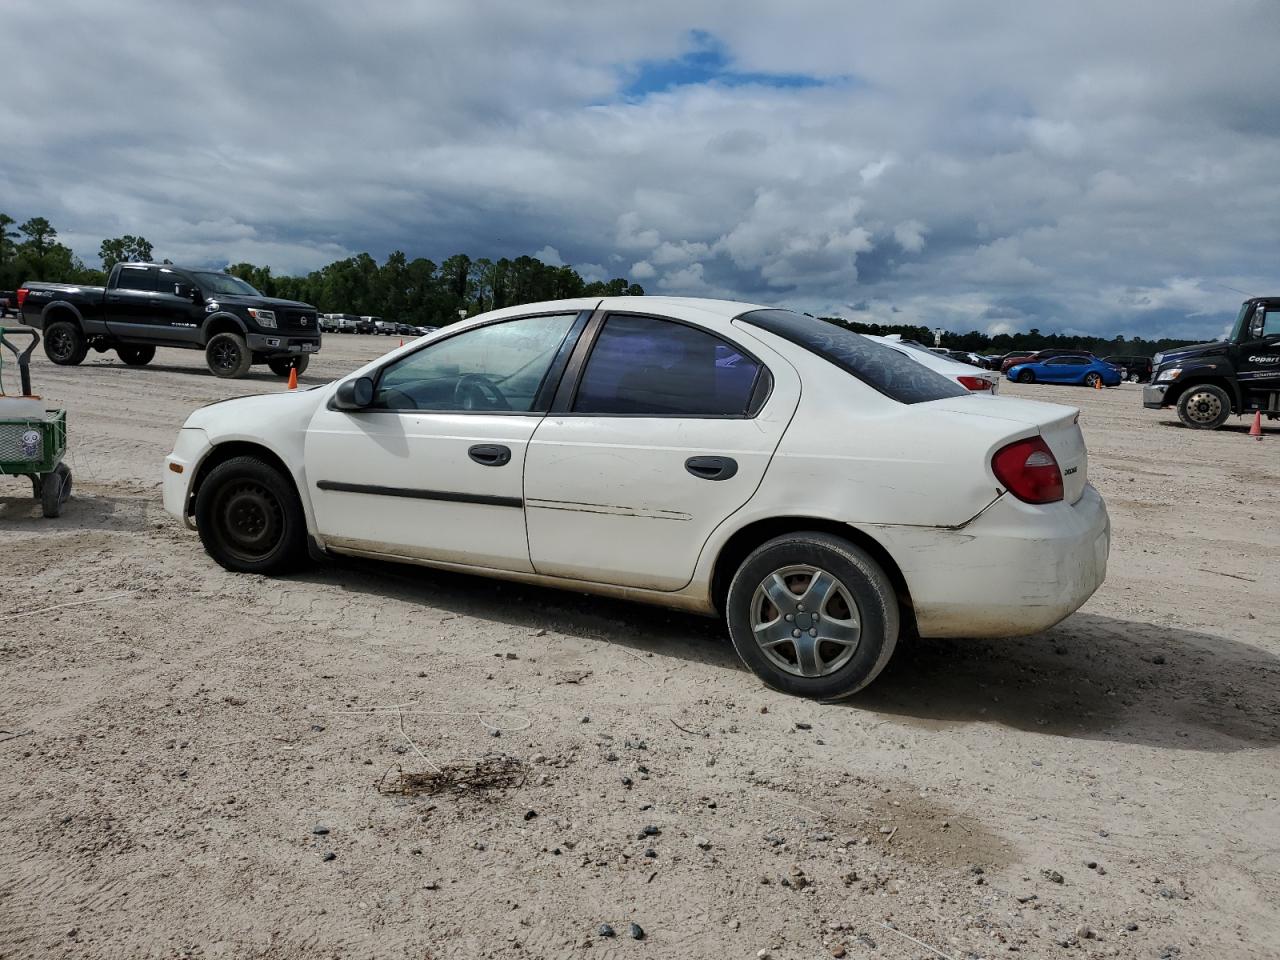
(1059, 426)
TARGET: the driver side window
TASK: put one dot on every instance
(495, 368)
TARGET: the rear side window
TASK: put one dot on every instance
(644, 366)
(892, 373)
(136, 278)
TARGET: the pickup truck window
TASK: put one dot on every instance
(137, 278)
(226, 284)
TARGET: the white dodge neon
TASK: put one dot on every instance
(820, 491)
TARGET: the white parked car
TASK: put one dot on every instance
(971, 378)
(817, 489)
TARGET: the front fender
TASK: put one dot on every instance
(276, 423)
(218, 322)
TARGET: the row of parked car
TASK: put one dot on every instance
(1054, 365)
(355, 323)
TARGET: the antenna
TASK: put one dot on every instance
(1232, 289)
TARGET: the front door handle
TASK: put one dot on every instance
(712, 468)
(490, 454)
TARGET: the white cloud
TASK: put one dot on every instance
(642, 270)
(550, 256)
(910, 235)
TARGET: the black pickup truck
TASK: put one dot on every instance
(145, 305)
(1208, 382)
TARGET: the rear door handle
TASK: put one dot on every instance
(712, 468)
(490, 454)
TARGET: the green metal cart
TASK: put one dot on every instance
(33, 439)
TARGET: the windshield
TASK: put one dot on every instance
(224, 283)
(1237, 328)
(878, 365)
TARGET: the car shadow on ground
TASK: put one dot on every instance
(1090, 677)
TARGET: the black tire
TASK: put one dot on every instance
(1026, 376)
(64, 344)
(250, 519)
(228, 356)
(136, 356)
(1204, 406)
(281, 366)
(1092, 380)
(828, 669)
(55, 490)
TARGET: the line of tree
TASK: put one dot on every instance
(987, 345)
(417, 291)
(421, 292)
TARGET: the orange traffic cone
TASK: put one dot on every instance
(293, 378)
(1255, 431)
(1097, 384)
(402, 341)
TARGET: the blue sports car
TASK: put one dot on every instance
(1087, 371)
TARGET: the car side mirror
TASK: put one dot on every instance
(354, 394)
(1258, 324)
(191, 293)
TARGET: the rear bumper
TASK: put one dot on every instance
(1016, 569)
(1153, 395)
(282, 344)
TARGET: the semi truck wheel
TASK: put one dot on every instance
(64, 344)
(228, 355)
(1204, 406)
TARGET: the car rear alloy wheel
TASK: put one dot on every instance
(805, 621)
(228, 356)
(64, 344)
(1092, 380)
(813, 615)
(249, 517)
(1204, 407)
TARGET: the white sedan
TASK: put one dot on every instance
(818, 490)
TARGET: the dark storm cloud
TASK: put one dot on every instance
(1085, 166)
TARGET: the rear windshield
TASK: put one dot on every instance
(890, 371)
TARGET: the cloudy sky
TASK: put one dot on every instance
(1109, 167)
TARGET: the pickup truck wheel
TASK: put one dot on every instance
(812, 615)
(1204, 406)
(64, 344)
(136, 356)
(281, 366)
(228, 355)
(250, 519)
(1026, 376)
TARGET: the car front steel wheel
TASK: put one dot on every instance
(805, 621)
(249, 517)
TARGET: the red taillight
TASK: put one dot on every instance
(974, 383)
(1029, 470)
(22, 296)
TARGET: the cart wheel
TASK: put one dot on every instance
(35, 486)
(55, 489)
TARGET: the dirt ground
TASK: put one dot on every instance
(202, 764)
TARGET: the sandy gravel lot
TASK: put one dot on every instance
(191, 758)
